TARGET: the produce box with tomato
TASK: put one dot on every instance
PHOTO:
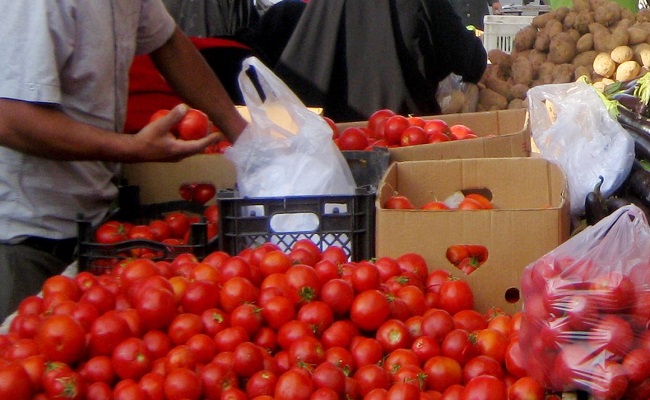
(159, 231)
(492, 134)
(482, 219)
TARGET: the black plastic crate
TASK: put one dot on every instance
(367, 166)
(100, 258)
(344, 221)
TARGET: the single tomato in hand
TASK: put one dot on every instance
(194, 125)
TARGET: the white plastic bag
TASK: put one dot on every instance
(572, 127)
(287, 149)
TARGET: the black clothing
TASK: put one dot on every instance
(353, 57)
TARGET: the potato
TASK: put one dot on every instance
(545, 73)
(563, 73)
(491, 100)
(536, 58)
(522, 71)
(499, 57)
(642, 54)
(582, 70)
(608, 14)
(541, 20)
(643, 15)
(453, 102)
(602, 37)
(516, 104)
(542, 42)
(585, 59)
(569, 20)
(620, 37)
(525, 38)
(604, 65)
(562, 48)
(627, 70)
(637, 35)
(553, 27)
(621, 54)
(582, 21)
(580, 5)
(627, 14)
(518, 91)
(585, 43)
(561, 13)
(500, 86)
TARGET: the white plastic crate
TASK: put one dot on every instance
(500, 30)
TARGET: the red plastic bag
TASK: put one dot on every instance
(586, 316)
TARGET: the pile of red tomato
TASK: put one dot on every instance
(263, 324)
(385, 128)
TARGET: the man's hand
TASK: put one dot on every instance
(156, 142)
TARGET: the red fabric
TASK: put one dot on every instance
(148, 90)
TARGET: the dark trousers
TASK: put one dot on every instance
(24, 268)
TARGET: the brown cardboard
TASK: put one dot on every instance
(159, 182)
(503, 133)
(530, 218)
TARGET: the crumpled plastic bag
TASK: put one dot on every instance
(572, 127)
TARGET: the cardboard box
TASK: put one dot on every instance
(159, 182)
(503, 133)
(530, 218)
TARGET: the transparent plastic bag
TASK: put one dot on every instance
(455, 96)
(587, 310)
(286, 149)
(571, 126)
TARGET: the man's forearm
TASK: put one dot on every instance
(192, 79)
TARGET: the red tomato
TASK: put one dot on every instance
(461, 132)
(199, 296)
(261, 383)
(275, 261)
(203, 192)
(156, 307)
(304, 283)
(413, 263)
(485, 387)
(437, 323)
(398, 202)
(194, 125)
(526, 388)
(61, 338)
(60, 284)
(99, 391)
(183, 327)
(492, 343)
(248, 358)
(435, 205)
(328, 375)
(352, 138)
(365, 276)
(318, 315)
(339, 295)
(365, 350)
(437, 137)
(306, 349)
(339, 334)
(377, 119)
(482, 365)
(456, 295)
(394, 127)
(393, 334)
(403, 390)
(111, 232)
(333, 126)
(371, 376)
(293, 385)
(236, 291)
(413, 135)
(98, 369)
(459, 345)
(369, 309)
(436, 126)
(216, 378)
(182, 383)
(15, 382)
(211, 213)
(178, 223)
(470, 320)
(425, 347)
(131, 359)
(442, 372)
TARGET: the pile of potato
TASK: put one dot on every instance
(598, 39)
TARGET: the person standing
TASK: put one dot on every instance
(354, 57)
(63, 96)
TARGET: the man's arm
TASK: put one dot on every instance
(44, 131)
(194, 81)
